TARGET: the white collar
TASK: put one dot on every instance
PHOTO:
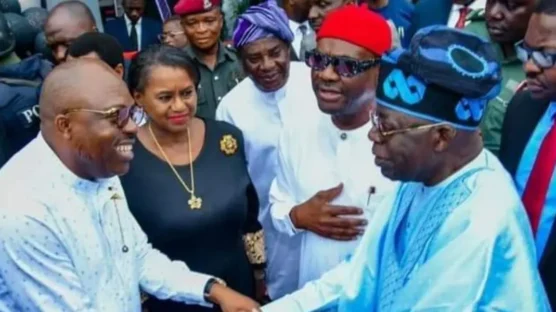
(336, 134)
(128, 21)
(294, 26)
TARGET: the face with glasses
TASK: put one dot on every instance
(407, 148)
(173, 34)
(100, 126)
(344, 76)
(538, 52)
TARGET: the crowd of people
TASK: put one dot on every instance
(264, 156)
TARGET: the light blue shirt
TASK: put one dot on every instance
(524, 171)
(62, 242)
(472, 262)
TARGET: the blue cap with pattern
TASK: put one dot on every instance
(446, 75)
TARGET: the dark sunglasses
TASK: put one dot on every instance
(343, 66)
(541, 59)
(120, 114)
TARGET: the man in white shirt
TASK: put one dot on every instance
(68, 242)
(454, 236)
(276, 96)
(327, 186)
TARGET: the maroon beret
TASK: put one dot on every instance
(184, 7)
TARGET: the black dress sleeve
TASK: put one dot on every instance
(253, 234)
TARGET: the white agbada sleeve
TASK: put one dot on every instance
(281, 190)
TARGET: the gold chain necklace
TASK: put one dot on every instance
(194, 201)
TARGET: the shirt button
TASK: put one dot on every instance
(215, 77)
(219, 98)
(343, 136)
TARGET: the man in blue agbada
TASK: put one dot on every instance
(454, 236)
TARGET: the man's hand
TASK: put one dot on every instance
(231, 301)
(317, 216)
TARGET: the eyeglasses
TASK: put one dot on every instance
(377, 123)
(170, 35)
(343, 66)
(120, 114)
(541, 59)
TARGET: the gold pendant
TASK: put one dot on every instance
(195, 202)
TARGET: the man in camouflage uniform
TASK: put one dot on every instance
(217, 62)
(504, 23)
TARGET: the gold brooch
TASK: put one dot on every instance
(228, 144)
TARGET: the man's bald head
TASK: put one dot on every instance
(67, 21)
(78, 10)
(81, 83)
(86, 112)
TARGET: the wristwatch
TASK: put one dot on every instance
(210, 283)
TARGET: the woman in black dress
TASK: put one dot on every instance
(188, 186)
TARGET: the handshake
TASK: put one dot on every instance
(231, 301)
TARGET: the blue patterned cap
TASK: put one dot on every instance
(446, 75)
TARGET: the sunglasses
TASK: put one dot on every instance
(121, 115)
(343, 66)
(541, 59)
